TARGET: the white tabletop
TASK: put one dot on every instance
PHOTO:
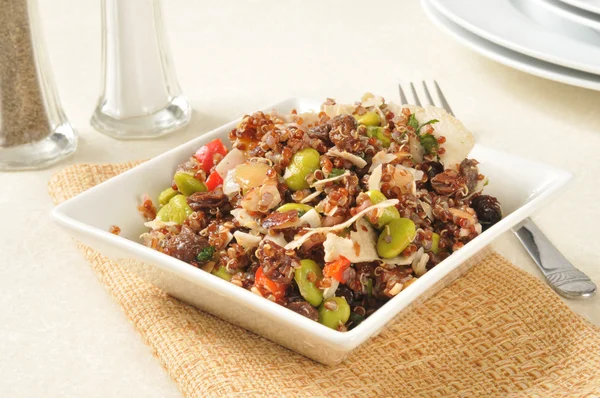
(60, 332)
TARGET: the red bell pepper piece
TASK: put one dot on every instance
(206, 154)
(262, 282)
(335, 269)
(213, 181)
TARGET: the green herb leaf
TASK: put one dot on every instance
(370, 287)
(412, 121)
(429, 143)
(206, 254)
(336, 172)
(355, 320)
(432, 121)
(345, 233)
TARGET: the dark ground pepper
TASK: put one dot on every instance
(23, 117)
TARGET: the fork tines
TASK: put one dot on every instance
(415, 96)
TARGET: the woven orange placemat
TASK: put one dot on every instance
(495, 332)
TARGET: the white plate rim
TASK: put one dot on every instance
(511, 58)
(574, 14)
(549, 46)
(584, 5)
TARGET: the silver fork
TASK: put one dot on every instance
(560, 274)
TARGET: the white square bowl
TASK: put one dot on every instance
(521, 186)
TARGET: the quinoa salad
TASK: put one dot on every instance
(331, 213)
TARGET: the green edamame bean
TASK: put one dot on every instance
(179, 215)
(389, 213)
(180, 210)
(395, 237)
(222, 273)
(369, 119)
(377, 132)
(164, 214)
(177, 210)
(376, 196)
(435, 242)
(303, 163)
(337, 315)
(187, 184)
(166, 195)
(179, 201)
(306, 277)
(302, 208)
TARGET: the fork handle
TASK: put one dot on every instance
(564, 278)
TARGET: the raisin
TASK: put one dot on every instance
(431, 169)
(305, 309)
(488, 210)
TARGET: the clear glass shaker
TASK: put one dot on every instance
(140, 94)
(34, 131)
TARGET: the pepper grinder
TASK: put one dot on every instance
(34, 132)
(140, 96)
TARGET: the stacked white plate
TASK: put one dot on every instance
(554, 39)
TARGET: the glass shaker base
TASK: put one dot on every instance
(36, 155)
(174, 116)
